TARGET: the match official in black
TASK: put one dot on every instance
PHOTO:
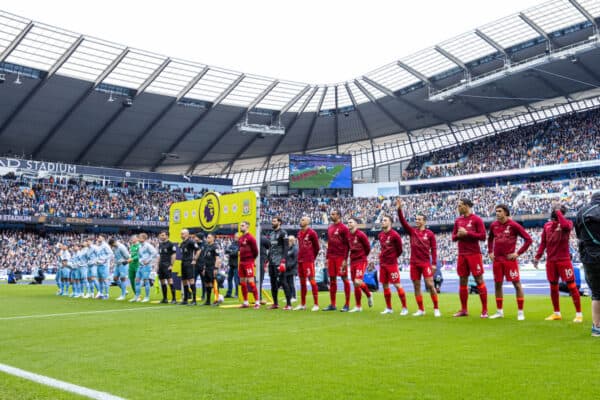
(189, 255)
(211, 261)
(167, 251)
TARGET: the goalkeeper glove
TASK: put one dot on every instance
(281, 267)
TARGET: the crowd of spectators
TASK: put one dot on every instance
(26, 252)
(524, 199)
(570, 138)
(86, 200)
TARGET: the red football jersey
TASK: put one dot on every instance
(555, 239)
(475, 233)
(502, 239)
(391, 247)
(248, 248)
(423, 247)
(359, 246)
(337, 241)
(308, 245)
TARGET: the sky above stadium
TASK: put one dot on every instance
(310, 41)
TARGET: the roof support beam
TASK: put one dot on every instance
(36, 152)
(492, 43)
(538, 29)
(362, 122)
(88, 146)
(452, 58)
(258, 99)
(314, 120)
(153, 76)
(59, 63)
(289, 127)
(161, 115)
(16, 41)
(212, 145)
(386, 112)
(293, 101)
(585, 13)
(197, 121)
(413, 72)
(402, 100)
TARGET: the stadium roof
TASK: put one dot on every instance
(63, 98)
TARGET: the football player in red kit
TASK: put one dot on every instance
(337, 259)
(391, 248)
(248, 254)
(308, 250)
(502, 242)
(468, 231)
(423, 259)
(359, 250)
(555, 240)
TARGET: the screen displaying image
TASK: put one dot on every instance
(314, 171)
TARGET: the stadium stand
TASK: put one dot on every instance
(566, 139)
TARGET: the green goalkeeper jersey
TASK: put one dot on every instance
(135, 258)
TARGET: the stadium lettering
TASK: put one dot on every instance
(14, 163)
(16, 218)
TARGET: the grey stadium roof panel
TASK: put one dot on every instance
(67, 103)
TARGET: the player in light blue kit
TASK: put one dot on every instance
(121, 266)
(148, 255)
(103, 256)
(93, 269)
(64, 257)
(83, 269)
(76, 271)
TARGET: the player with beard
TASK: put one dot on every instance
(468, 231)
(248, 251)
(338, 248)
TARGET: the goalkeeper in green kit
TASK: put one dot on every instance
(134, 261)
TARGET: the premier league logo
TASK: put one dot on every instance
(209, 211)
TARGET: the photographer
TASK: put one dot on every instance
(587, 227)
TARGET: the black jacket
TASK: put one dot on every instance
(291, 260)
(587, 227)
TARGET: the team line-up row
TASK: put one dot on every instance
(86, 266)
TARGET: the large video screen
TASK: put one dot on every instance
(314, 171)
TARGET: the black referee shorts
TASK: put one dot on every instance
(163, 272)
(187, 271)
(209, 275)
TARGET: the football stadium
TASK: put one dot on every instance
(429, 229)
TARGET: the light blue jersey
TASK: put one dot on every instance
(121, 258)
(147, 254)
(103, 256)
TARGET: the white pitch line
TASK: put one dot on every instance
(81, 313)
(55, 383)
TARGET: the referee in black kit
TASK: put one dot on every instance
(189, 254)
(211, 261)
(167, 251)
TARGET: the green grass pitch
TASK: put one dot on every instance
(320, 180)
(159, 352)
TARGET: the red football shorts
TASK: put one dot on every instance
(562, 269)
(389, 274)
(418, 270)
(306, 269)
(508, 269)
(469, 264)
(334, 266)
(357, 269)
(246, 270)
